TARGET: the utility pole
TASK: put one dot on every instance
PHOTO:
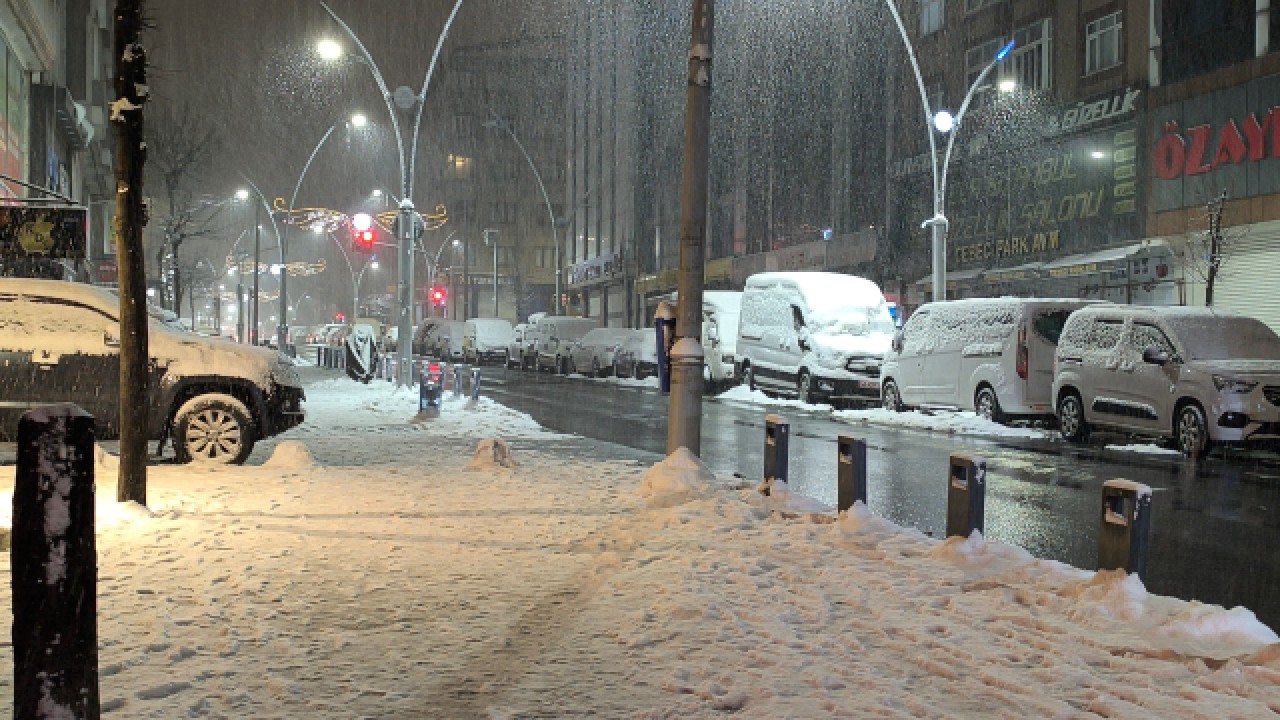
(684, 417)
(131, 217)
(257, 252)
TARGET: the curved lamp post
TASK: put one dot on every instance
(499, 123)
(405, 98)
(941, 122)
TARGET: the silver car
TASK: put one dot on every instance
(1194, 375)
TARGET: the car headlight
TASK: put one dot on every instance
(1230, 384)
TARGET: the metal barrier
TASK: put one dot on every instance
(1126, 520)
(475, 384)
(851, 475)
(966, 494)
(777, 435)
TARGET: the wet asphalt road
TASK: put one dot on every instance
(1214, 526)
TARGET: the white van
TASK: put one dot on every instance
(447, 340)
(813, 335)
(486, 339)
(720, 311)
(553, 335)
(990, 355)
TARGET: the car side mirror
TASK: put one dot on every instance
(1155, 356)
(110, 340)
(804, 344)
(897, 342)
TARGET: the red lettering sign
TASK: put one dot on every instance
(1202, 150)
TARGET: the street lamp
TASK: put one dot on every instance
(498, 123)
(944, 124)
(405, 98)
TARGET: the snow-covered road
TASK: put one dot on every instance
(363, 571)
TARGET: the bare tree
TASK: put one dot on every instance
(1205, 253)
(182, 144)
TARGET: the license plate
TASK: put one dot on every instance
(868, 384)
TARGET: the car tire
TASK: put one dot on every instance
(1071, 420)
(749, 377)
(987, 404)
(890, 398)
(213, 429)
(804, 387)
(1192, 431)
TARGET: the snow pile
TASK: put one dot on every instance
(779, 496)
(677, 479)
(491, 454)
(291, 455)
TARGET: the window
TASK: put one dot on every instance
(931, 15)
(976, 60)
(1030, 64)
(1102, 43)
(1048, 324)
(464, 127)
(1149, 336)
(973, 6)
(504, 212)
(459, 166)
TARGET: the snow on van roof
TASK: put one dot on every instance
(824, 292)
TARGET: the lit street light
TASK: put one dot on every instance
(943, 123)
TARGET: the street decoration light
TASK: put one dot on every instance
(405, 230)
(941, 123)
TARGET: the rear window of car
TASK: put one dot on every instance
(1048, 324)
(1092, 333)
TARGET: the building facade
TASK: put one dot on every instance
(55, 84)
(1091, 159)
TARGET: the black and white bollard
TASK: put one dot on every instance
(1126, 520)
(53, 558)
(777, 436)
(475, 384)
(966, 494)
(851, 472)
(457, 381)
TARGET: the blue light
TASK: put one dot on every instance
(1004, 51)
(826, 234)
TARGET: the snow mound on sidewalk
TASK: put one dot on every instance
(491, 454)
(104, 462)
(679, 478)
(291, 455)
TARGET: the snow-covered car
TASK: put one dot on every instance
(813, 335)
(485, 339)
(596, 351)
(553, 335)
(993, 356)
(446, 341)
(60, 342)
(638, 357)
(423, 336)
(1195, 375)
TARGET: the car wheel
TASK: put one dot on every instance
(987, 405)
(214, 429)
(889, 397)
(1071, 421)
(804, 387)
(748, 377)
(1192, 432)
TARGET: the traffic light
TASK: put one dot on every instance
(438, 296)
(364, 235)
(339, 317)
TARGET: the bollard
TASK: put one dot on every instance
(966, 494)
(457, 381)
(777, 433)
(429, 389)
(53, 560)
(475, 384)
(1126, 518)
(851, 477)
(319, 356)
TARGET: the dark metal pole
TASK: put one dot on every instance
(257, 258)
(684, 420)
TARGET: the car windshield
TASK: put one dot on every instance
(1226, 338)
(864, 321)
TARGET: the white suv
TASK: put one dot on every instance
(1195, 375)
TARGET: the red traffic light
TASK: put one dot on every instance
(438, 295)
(365, 239)
(339, 317)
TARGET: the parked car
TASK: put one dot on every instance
(553, 335)
(516, 348)
(720, 312)
(486, 339)
(61, 343)
(529, 353)
(596, 352)
(990, 355)
(1196, 376)
(814, 335)
(638, 357)
(446, 341)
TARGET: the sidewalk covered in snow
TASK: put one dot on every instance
(365, 566)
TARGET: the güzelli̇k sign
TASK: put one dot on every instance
(1201, 150)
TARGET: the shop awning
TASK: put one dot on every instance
(1027, 271)
(1091, 263)
(957, 276)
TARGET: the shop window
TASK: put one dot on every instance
(1102, 43)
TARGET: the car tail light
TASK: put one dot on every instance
(1022, 352)
(433, 367)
